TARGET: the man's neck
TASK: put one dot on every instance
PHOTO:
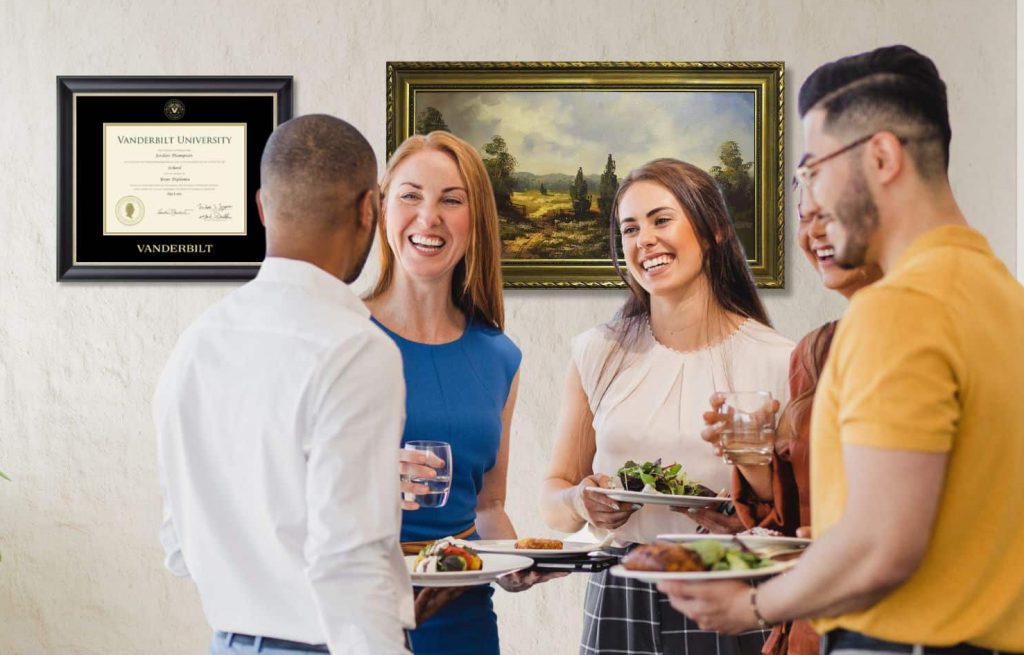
(335, 261)
(912, 215)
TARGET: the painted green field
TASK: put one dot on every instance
(540, 206)
(543, 239)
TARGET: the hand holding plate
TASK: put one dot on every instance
(598, 509)
(431, 599)
(522, 580)
(722, 606)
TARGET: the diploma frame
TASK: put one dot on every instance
(87, 106)
(426, 95)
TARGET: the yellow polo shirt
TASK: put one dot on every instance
(931, 359)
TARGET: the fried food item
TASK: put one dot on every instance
(663, 557)
(531, 543)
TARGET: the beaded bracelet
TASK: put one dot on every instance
(761, 622)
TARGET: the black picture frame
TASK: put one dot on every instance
(252, 106)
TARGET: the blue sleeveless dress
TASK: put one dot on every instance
(456, 392)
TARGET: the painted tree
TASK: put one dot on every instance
(500, 167)
(734, 178)
(543, 189)
(429, 120)
(578, 194)
(606, 190)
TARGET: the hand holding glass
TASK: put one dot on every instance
(438, 486)
(748, 435)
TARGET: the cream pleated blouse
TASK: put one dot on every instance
(648, 401)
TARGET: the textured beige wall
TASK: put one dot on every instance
(81, 570)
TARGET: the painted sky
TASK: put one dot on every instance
(557, 131)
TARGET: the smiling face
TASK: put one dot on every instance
(838, 190)
(660, 247)
(427, 215)
(813, 239)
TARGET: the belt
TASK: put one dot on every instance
(271, 642)
(414, 547)
(839, 640)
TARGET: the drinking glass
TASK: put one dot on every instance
(438, 487)
(749, 433)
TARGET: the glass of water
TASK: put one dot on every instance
(748, 436)
(439, 486)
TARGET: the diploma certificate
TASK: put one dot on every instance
(157, 176)
(174, 179)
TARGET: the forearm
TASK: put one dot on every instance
(850, 567)
(559, 507)
(493, 522)
(778, 509)
(759, 480)
(844, 571)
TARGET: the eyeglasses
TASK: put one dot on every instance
(804, 174)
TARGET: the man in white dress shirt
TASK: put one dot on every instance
(278, 417)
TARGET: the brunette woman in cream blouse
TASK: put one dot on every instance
(637, 388)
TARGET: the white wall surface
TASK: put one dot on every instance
(1020, 140)
(81, 569)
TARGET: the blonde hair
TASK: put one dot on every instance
(476, 281)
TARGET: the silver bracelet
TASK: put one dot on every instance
(761, 622)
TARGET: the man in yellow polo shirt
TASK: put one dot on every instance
(917, 446)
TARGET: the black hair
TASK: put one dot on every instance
(893, 88)
(314, 154)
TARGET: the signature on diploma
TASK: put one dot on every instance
(174, 212)
(214, 211)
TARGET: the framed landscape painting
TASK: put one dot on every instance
(556, 138)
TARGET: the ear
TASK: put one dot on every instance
(366, 209)
(887, 157)
(259, 207)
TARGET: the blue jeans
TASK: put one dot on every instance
(223, 644)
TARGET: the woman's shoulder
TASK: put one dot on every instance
(602, 332)
(761, 336)
(494, 341)
(815, 336)
(599, 340)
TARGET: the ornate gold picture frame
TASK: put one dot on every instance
(558, 136)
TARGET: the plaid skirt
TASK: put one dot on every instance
(623, 616)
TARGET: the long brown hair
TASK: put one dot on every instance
(813, 350)
(476, 281)
(724, 265)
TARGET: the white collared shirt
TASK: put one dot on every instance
(279, 417)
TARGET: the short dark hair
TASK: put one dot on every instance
(312, 156)
(894, 88)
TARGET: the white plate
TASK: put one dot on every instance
(640, 498)
(696, 576)
(508, 546)
(751, 541)
(493, 567)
